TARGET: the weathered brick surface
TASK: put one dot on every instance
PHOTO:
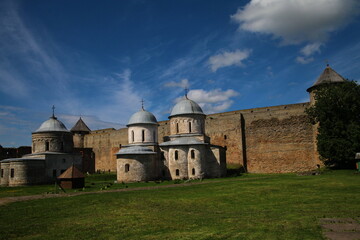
(105, 143)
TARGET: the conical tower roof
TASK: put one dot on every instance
(80, 126)
(328, 76)
(71, 172)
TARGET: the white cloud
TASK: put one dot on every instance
(121, 99)
(184, 83)
(304, 60)
(226, 59)
(307, 51)
(18, 41)
(310, 49)
(296, 21)
(212, 101)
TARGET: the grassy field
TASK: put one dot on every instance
(247, 207)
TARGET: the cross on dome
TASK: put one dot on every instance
(186, 92)
(142, 104)
(53, 111)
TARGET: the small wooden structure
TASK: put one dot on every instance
(72, 178)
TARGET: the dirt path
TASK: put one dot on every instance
(340, 228)
(7, 200)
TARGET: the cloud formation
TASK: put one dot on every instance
(226, 59)
(212, 101)
(296, 21)
(184, 83)
(307, 51)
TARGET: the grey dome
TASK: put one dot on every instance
(135, 150)
(52, 125)
(186, 106)
(142, 117)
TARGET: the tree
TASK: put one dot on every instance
(337, 111)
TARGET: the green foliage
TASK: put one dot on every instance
(337, 110)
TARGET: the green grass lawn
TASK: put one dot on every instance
(275, 206)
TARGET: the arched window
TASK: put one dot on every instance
(132, 136)
(47, 144)
(193, 171)
(177, 127)
(154, 136)
(62, 146)
(33, 147)
(143, 135)
(176, 155)
(192, 153)
(189, 127)
(127, 167)
(225, 137)
(177, 172)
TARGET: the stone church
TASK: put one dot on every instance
(52, 153)
(185, 154)
(273, 139)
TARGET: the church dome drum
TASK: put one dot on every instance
(52, 136)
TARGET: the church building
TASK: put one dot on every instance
(185, 154)
(52, 153)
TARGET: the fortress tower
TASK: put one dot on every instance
(79, 130)
(328, 76)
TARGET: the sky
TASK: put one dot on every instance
(99, 59)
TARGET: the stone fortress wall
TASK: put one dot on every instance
(263, 140)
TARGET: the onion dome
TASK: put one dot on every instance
(52, 125)
(142, 117)
(327, 77)
(186, 106)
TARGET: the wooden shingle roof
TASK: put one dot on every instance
(80, 126)
(71, 172)
(328, 76)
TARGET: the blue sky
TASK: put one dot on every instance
(99, 59)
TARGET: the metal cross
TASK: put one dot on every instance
(186, 91)
(53, 108)
(327, 62)
(142, 104)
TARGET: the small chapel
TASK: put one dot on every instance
(185, 154)
(52, 153)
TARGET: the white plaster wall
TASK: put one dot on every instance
(181, 164)
(197, 124)
(27, 172)
(141, 168)
(4, 181)
(55, 139)
(151, 134)
(196, 163)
